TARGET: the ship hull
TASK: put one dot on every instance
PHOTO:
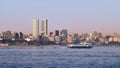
(80, 46)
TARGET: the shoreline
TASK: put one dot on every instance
(61, 45)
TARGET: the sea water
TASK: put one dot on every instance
(55, 56)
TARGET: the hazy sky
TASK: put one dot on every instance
(75, 15)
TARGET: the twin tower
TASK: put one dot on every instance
(44, 28)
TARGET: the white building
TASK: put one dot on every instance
(36, 28)
(7, 35)
(57, 39)
(44, 27)
(0, 36)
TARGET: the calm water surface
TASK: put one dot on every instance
(54, 56)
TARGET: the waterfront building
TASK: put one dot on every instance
(0, 36)
(16, 36)
(51, 34)
(110, 39)
(115, 39)
(7, 35)
(70, 39)
(76, 38)
(102, 40)
(57, 40)
(21, 36)
(64, 33)
(119, 39)
(56, 32)
(51, 38)
(13, 36)
(36, 28)
(44, 27)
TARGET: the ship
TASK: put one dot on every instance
(81, 45)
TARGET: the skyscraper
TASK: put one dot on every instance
(36, 28)
(44, 27)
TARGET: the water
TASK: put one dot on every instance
(54, 56)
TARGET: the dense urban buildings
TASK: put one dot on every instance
(95, 38)
(36, 28)
(60, 37)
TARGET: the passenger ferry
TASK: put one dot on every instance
(81, 45)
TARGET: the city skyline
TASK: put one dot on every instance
(75, 16)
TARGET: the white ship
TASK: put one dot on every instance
(81, 45)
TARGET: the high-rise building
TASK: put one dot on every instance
(16, 36)
(0, 36)
(44, 27)
(7, 35)
(56, 32)
(21, 35)
(36, 28)
(64, 33)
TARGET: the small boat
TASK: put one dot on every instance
(81, 45)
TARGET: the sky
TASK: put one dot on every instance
(74, 15)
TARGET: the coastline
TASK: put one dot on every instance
(5, 45)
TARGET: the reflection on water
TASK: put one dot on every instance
(59, 57)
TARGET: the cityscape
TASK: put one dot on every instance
(59, 33)
(40, 36)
